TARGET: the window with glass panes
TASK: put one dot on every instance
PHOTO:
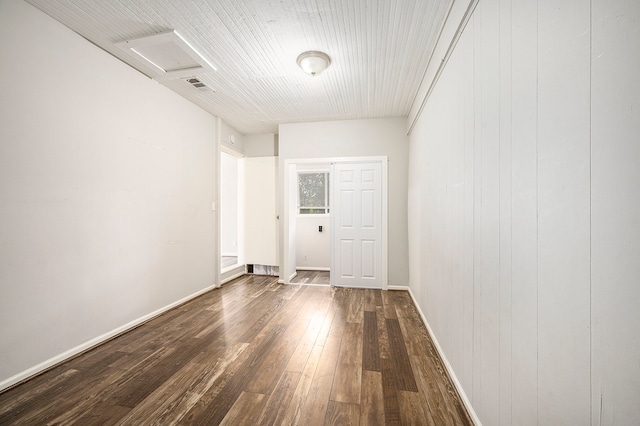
(313, 193)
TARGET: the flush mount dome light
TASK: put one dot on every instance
(313, 62)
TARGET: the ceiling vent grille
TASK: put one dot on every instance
(198, 84)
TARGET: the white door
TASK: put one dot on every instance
(356, 221)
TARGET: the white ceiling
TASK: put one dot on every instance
(379, 51)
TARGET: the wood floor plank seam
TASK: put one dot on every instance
(254, 352)
(403, 372)
(214, 413)
(370, 346)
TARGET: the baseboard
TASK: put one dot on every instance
(232, 277)
(310, 284)
(312, 268)
(445, 361)
(292, 276)
(399, 287)
(90, 344)
(232, 268)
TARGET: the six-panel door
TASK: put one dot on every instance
(357, 222)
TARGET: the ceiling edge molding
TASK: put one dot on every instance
(457, 18)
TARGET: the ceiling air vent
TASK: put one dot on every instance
(198, 84)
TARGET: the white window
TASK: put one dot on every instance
(313, 193)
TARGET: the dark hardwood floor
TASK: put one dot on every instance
(254, 352)
(311, 277)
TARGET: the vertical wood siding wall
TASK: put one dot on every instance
(524, 207)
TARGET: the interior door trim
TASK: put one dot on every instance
(285, 215)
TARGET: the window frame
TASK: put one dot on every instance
(327, 200)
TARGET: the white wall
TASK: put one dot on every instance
(358, 138)
(228, 205)
(313, 248)
(523, 212)
(106, 185)
(615, 211)
(225, 132)
(260, 145)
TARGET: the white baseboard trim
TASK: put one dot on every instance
(232, 268)
(292, 276)
(232, 277)
(447, 365)
(310, 284)
(399, 287)
(312, 268)
(89, 344)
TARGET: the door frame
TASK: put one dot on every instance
(239, 156)
(286, 214)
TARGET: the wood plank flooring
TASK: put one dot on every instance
(254, 353)
(311, 277)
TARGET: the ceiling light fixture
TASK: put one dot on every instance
(313, 62)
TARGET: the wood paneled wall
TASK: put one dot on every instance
(523, 211)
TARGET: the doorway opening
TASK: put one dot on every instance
(231, 216)
(355, 208)
(313, 224)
